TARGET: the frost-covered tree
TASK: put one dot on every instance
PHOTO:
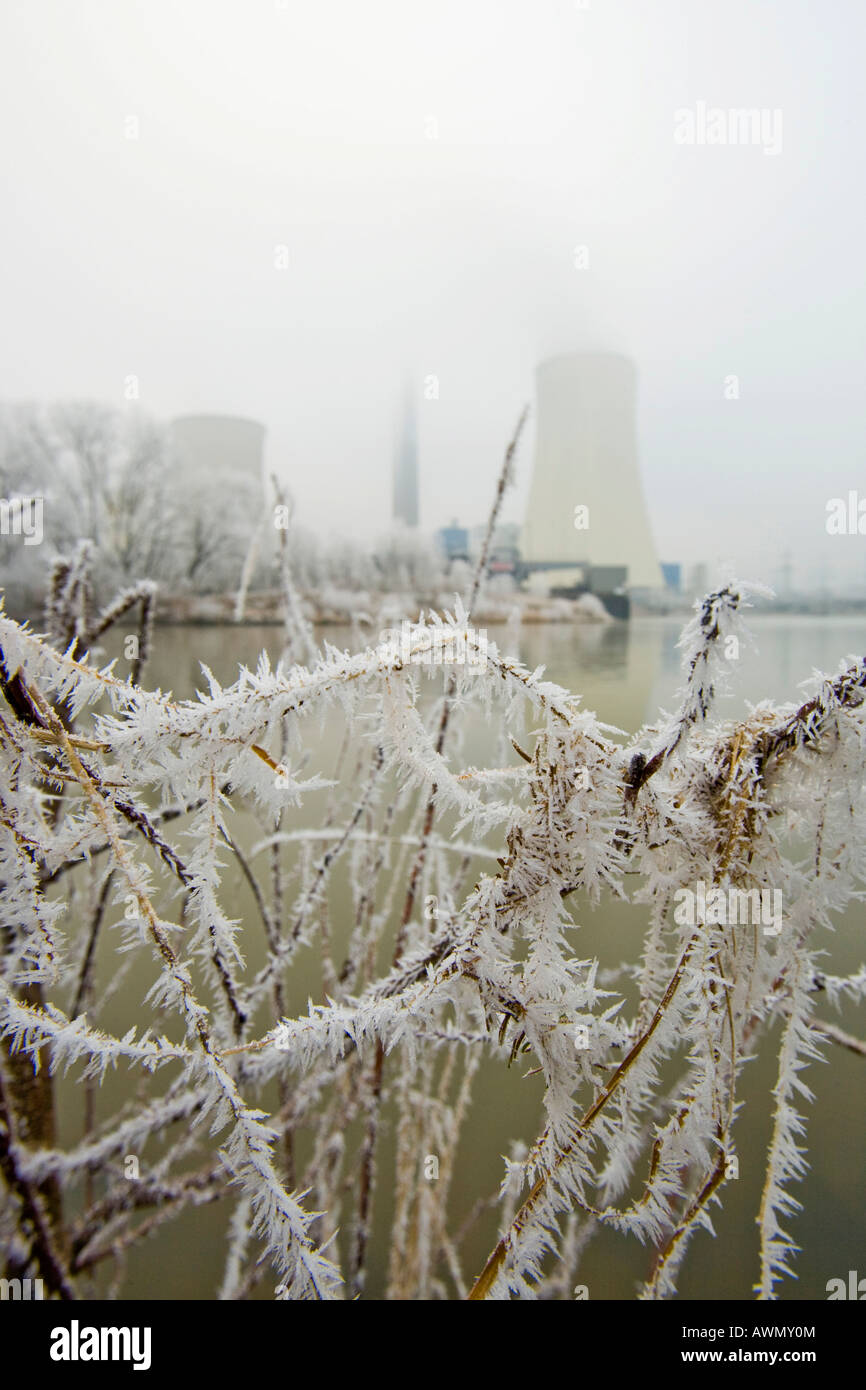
(106, 477)
(110, 476)
(436, 902)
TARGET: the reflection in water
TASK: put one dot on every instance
(609, 666)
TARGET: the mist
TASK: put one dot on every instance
(293, 213)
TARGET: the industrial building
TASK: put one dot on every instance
(220, 448)
(587, 525)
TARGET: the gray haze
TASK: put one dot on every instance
(431, 169)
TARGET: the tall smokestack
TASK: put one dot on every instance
(405, 495)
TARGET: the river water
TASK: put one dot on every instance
(625, 672)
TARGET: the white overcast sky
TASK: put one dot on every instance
(307, 124)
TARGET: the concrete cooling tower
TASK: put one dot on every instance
(219, 448)
(586, 457)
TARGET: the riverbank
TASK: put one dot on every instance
(340, 607)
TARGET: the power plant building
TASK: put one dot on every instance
(586, 518)
(220, 449)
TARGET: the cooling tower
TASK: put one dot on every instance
(220, 448)
(586, 456)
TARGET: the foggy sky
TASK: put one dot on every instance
(264, 124)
